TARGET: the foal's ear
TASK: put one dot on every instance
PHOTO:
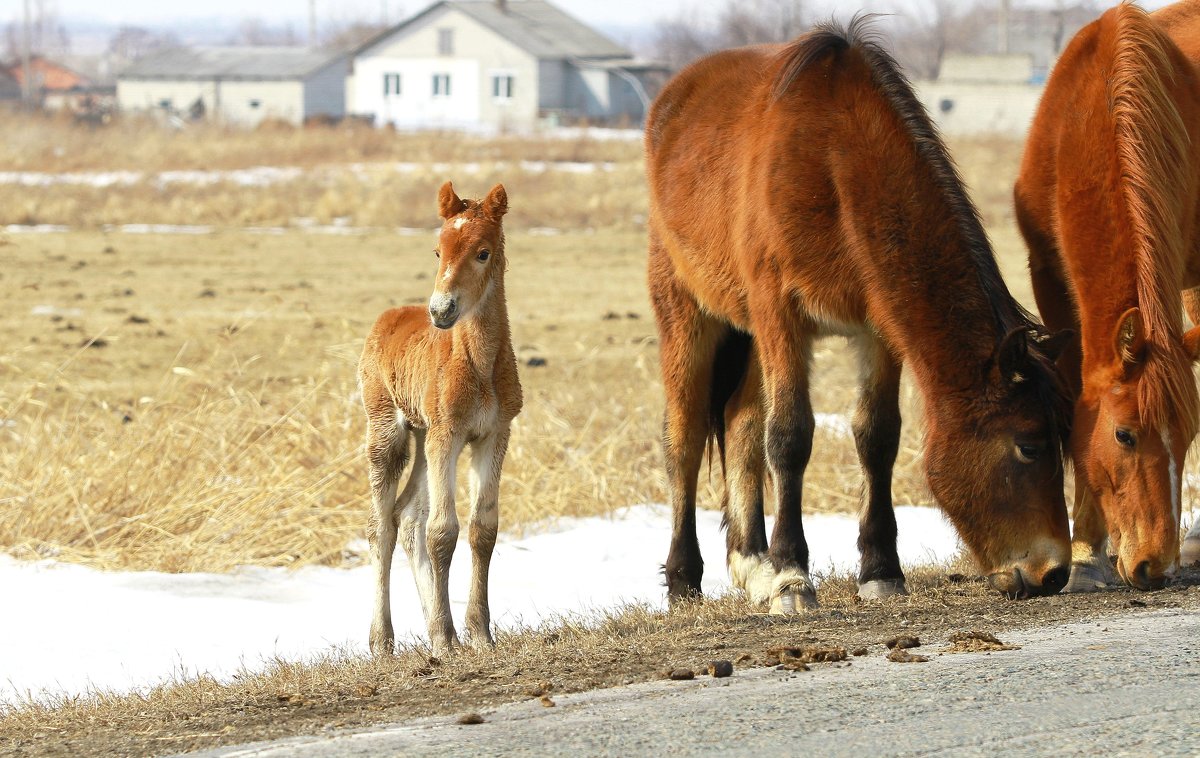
(1052, 345)
(495, 205)
(449, 204)
(1012, 357)
(1129, 340)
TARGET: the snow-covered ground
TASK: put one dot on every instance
(70, 629)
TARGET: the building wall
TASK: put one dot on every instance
(980, 108)
(325, 91)
(237, 102)
(478, 55)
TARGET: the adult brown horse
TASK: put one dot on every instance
(1107, 200)
(799, 191)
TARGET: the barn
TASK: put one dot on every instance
(237, 85)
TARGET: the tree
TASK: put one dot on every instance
(129, 43)
(47, 35)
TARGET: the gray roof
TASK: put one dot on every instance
(231, 63)
(536, 26)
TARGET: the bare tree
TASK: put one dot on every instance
(254, 32)
(47, 34)
(738, 22)
(129, 43)
(932, 28)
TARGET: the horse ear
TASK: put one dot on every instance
(1129, 341)
(1052, 345)
(1191, 342)
(449, 204)
(495, 204)
(1012, 357)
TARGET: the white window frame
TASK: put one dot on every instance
(498, 76)
(388, 79)
(441, 85)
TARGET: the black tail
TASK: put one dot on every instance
(729, 370)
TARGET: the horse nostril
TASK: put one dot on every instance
(1143, 580)
(1055, 579)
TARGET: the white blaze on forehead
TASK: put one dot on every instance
(458, 222)
(1173, 472)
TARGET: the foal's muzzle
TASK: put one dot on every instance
(443, 311)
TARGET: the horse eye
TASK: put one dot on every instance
(483, 255)
(1028, 452)
(1126, 438)
(437, 253)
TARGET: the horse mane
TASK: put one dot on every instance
(832, 38)
(1153, 149)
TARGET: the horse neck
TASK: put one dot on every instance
(479, 338)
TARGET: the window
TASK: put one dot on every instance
(391, 84)
(441, 85)
(502, 86)
(255, 103)
(445, 42)
(165, 104)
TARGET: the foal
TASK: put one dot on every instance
(447, 384)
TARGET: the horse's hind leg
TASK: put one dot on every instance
(487, 457)
(412, 512)
(687, 344)
(784, 342)
(386, 451)
(877, 438)
(750, 567)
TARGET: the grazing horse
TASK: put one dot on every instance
(447, 385)
(1107, 200)
(799, 191)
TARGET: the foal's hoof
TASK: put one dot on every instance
(1086, 577)
(1189, 552)
(881, 589)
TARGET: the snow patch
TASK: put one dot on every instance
(128, 630)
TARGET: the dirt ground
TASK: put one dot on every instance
(571, 656)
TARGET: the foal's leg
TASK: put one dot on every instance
(412, 512)
(750, 567)
(386, 450)
(877, 437)
(487, 456)
(441, 450)
(784, 340)
(688, 341)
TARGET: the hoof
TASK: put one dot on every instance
(753, 574)
(1086, 578)
(881, 589)
(1189, 552)
(792, 602)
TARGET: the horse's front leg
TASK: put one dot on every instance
(487, 458)
(441, 453)
(877, 438)
(784, 341)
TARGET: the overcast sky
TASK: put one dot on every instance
(613, 13)
(627, 21)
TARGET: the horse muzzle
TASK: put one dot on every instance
(1018, 586)
(443, 311)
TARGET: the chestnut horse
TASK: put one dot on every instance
(1107, 200)
(447, 385)
(800, 191)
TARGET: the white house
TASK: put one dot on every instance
(983, 94)
(495, 65)
(239, 85)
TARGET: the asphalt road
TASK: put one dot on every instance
(1117, 686)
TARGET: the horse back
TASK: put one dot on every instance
(740, 173)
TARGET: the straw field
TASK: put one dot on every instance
(187, 402)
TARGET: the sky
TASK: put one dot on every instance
(610, 13)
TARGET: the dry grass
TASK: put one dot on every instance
(569, 655)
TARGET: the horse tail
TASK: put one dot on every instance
(729, 370)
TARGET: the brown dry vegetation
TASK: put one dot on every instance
(576, 654)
